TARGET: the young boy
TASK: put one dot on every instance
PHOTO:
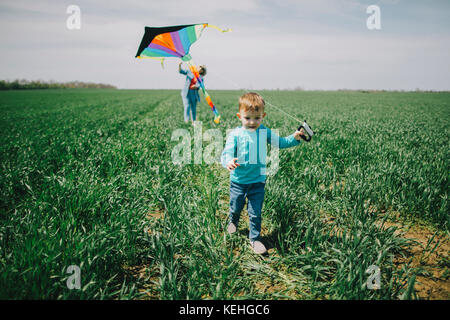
(244, 156)
(189, 93)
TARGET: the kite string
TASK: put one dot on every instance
(279, 109)
(240, 88)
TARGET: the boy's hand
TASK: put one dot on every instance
(232, 164)
(298, 134)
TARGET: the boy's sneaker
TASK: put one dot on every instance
(258, 247)
(231, 228)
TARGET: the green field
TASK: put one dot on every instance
(88, 180)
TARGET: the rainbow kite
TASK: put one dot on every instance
(159, 43)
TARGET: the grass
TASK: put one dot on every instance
(87, 179)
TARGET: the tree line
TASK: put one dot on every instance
(20, 84)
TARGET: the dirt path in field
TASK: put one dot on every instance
(430, 256)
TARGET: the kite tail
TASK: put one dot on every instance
(154, 58)
(205, 93)
(217, 28)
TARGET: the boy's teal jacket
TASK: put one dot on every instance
(250, 147)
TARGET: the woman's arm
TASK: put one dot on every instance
(182, 70)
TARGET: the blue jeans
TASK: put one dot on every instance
(254, 192)
(190, 105)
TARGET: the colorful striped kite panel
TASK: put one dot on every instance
(174, 41)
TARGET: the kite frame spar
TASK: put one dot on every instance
(161, 42)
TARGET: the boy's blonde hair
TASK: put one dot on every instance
(251, 101)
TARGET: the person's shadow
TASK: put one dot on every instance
(274, 239)
(270, 241)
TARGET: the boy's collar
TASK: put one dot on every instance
(261, 126)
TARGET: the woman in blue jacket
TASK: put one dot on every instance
(189, 93)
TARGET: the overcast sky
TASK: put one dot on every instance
(314, 44)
